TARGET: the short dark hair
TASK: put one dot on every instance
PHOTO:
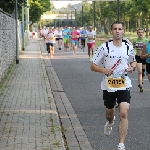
(140, 29)
(116, 22)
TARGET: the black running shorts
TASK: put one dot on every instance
(111, 97)
(139, 60)
(148, 68)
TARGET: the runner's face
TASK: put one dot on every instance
(140, 33)
(117, 31)
(90, 28)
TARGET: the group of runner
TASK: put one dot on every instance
(71, 37)
(74, 38)
(118, 57)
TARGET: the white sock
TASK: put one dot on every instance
(121, 144)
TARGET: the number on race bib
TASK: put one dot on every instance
(116, 83)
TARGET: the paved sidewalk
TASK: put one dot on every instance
(29, 120)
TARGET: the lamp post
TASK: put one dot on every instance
(75, 17)
(27, 16)
(82, 14)
(16, 20)
(22, 26)
(118, 10)
(94, 16)
(71, 18)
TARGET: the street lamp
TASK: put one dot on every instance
(16, 20)
(82, 14)
(94, 15)
(118, 10)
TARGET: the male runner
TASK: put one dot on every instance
(117, 57)
(146, 55)
(83, 38)
(66, 36)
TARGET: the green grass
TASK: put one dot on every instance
(98, 43)
(100, 38)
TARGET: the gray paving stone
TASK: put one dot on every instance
(25, 108)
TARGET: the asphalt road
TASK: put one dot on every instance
(82, 87)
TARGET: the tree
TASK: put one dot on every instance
(9, 5)
(37, 8)
(144, 8)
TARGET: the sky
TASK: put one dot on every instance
(61, 3)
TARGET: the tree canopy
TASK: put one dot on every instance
(36, 7)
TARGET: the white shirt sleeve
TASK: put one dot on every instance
(99, 54)
(131, 54)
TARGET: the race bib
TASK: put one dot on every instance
(90, 38)
(116, 83)
(82, 35)
(51, 38)
(73, 36)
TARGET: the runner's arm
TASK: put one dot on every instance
(144, 55)
(100, 69)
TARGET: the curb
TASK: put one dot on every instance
(74, 135)
(54, 114)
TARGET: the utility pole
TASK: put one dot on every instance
(27, 18)
(94, 16)
(76, 18)
(16, 20)
(82, 14)
(23, 26)
(118, 11)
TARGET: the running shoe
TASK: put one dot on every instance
(121, 147)
(73, 53)
(108, 127)
(141, 89)
(139, 84)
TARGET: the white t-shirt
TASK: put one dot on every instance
(58, 34)
(108, 55)
(45, 32)
(90, 36)
(50, 38)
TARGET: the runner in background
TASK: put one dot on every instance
(146, 55)
(41, 33)
(83, 38)
(79, 41)
(141, 63)
(70, 43)
(50, 39)
(66, 37)
(91, 36)
(58, 35)
(74, 39)
(45, 31)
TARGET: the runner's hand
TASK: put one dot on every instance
(108, 72)
(129, 69)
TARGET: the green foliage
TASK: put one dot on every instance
(37, 8)
(9, 5)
